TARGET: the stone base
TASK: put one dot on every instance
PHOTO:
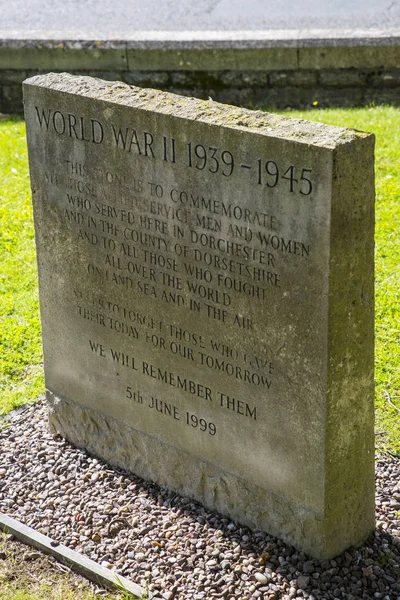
(151, 459)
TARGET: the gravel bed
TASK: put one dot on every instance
(172, 545)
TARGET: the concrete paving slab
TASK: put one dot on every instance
(95, 19)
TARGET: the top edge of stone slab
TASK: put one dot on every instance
(206, 111)
(235, 39)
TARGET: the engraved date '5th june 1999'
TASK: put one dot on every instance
(170, 410)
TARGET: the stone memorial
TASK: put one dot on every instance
(206, 293)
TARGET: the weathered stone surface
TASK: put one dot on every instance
(342, 57)
(63, 56)
(209, 59)
(206, 286)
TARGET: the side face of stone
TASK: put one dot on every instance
(349, 445)
(196, 304)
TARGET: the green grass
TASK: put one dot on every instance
(48, 586)
(40, 578)
(384, 122)
(20, 346)
(21, 373)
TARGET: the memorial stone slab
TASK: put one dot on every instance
(206, 293)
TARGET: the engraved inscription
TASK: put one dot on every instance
(177, 284)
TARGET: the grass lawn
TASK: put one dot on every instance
(27, 574)
(21, 373)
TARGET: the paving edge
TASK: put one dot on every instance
(77, 562)
(205, 38)
(202, 51)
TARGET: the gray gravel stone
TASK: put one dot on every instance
(171, 544)
(262, 578)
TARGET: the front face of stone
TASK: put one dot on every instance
(183, 272)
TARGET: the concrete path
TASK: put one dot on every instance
(186, 19)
